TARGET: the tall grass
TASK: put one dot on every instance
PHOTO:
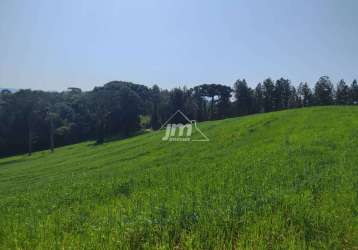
(283, 180)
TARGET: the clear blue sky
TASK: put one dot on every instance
(52, 45)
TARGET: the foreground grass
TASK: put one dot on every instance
(283, 180)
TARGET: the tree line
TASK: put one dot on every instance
(37, 120)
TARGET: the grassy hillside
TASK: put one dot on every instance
(284, 180)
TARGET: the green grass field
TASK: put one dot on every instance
(282, 180)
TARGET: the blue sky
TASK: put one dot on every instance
(52, 45)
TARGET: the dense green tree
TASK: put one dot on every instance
(258, 99)
(281, 94)
(354, 92)
(268, 89)
(131, 106)
(323, 91)
(201, 103)
(211, 91)
(305, 95)
(342, 93)
(243, 97)
(293, 99)
(224, 105)
(191, 107)
(216, 93)
(155, 120)
(176, 101)
(101, 108)
(7, 117)
(51, 116)
(28, 104)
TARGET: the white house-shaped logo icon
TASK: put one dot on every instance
(182, 131)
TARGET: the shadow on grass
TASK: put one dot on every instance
(120, 137)
(9, 162)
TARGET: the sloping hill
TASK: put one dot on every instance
(285, 180)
